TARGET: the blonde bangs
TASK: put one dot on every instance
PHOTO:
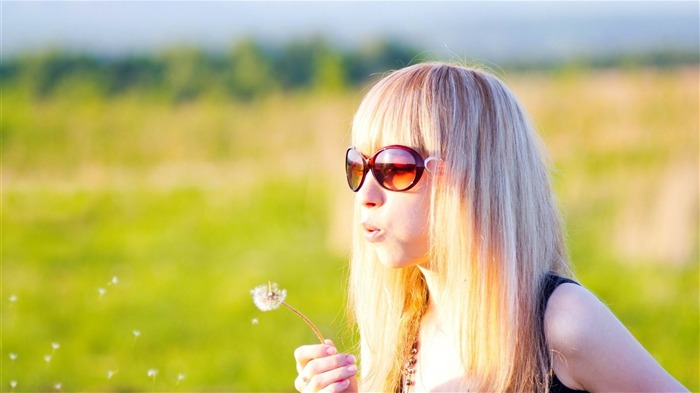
(395, 111)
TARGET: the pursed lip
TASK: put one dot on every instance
(371, 232)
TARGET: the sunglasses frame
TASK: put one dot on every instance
(368, 165)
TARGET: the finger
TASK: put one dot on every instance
(321, 365)
(305, 353)
(332, 379)
(337, 387)
(300, 383)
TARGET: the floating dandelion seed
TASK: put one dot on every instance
(55, 345)
(137, 333)
(13, 356)
(115, 280)
(13, 384)
(111, 373)
(152, 374)
(58, 386)
(47, 358)
(270, 297)
(255, 321)
(102, 291)
(180, 377)
(13, 298)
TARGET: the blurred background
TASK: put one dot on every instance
(160, 159)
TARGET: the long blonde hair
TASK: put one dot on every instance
(495, 229)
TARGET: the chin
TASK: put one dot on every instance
(396, 265)
(392, 262)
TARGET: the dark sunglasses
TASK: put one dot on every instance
(396, 167)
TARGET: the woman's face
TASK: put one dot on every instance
(395, 223)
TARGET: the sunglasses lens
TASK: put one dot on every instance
(395, 169)
(354, 169)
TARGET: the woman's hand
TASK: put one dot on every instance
(322, 368)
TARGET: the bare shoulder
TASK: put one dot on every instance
(593, 351)
(573, 315)
(570, 301)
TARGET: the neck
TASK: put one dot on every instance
(432, 280)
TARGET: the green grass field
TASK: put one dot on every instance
(191, 205)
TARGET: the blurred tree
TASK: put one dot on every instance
(248, 71)
(42, 73)
(379, 57)
(185, 72)
(296, 63)
(9, 71)
(329, 72)
(135, 73)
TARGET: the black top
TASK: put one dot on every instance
(551, 283)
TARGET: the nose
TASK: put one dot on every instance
(371, 194)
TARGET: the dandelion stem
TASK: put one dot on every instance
(307, 320)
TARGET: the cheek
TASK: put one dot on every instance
(418, 225)
(414, 244)
(406, 243)
(415, 224)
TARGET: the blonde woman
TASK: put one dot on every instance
(458, 271)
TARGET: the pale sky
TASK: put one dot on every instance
(465, 29)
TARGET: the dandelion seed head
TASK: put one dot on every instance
(255, 321)
(13, 298)
(268, 297)
(13, 356)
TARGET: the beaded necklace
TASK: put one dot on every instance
(408, 372)
(409, 369)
